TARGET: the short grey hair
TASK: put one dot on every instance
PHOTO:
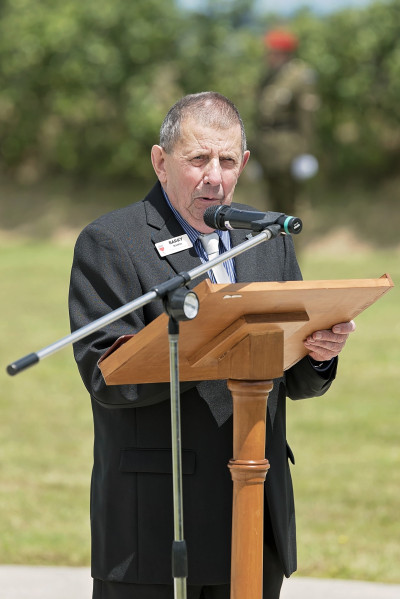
(209, 108)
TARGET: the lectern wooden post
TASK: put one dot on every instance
(248, 469)
(249, 334)
(248, 466)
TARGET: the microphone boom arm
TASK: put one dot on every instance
(156, 292)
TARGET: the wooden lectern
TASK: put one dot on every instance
(249, 334)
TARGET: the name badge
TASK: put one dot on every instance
(173, 245)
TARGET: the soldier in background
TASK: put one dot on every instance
(286, 104)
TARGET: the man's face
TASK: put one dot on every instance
(202, 170)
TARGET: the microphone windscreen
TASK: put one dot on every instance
(209, 216)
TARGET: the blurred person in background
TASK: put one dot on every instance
(285, 108)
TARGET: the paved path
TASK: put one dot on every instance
(30, 582)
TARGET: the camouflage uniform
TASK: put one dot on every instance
(286, 104)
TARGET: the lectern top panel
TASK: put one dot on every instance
(296, 307)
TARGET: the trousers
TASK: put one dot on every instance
(272, 583)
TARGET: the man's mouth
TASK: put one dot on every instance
(208, 199)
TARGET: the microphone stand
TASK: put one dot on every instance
(179, 550)
(174, 299)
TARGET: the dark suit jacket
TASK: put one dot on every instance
(116, 261)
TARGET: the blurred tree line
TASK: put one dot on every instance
(84, 85)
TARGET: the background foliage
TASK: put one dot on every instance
(85, 85)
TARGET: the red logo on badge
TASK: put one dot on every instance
(161, 248)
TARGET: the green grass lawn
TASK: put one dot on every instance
(45, 431)
(347, 475)
(347, 443)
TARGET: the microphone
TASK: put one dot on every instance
(226, 218)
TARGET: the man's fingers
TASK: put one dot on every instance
(344, 327)
(323, 337)
(338, 334)
(329, 345)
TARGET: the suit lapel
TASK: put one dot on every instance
(248, 268)
(182, 261)
(165, 226)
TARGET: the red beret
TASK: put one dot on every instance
(281, 40)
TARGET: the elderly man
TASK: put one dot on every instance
(201, 154)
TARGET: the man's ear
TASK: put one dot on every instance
(245, 160)
(158, 162)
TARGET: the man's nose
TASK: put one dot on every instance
(212, 173)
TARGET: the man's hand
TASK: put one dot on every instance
(326, 344)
